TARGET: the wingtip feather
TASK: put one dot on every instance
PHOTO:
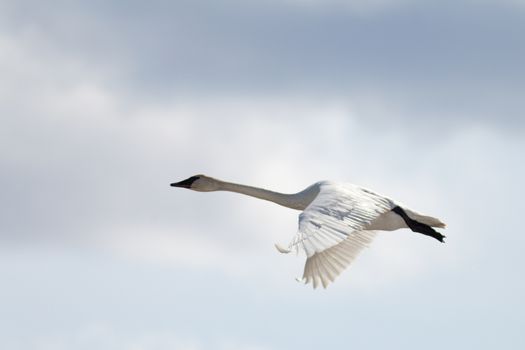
(281, 249)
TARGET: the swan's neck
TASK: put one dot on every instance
(297, 201)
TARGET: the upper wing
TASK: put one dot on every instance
(331, 229)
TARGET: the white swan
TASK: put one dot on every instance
(338, 220)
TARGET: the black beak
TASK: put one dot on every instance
(185, 183)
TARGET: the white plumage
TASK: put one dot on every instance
(337, 222)
(332, 229)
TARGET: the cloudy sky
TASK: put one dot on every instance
(104, 103)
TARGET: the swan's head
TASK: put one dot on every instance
(201, 183)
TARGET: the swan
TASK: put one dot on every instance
(337, 221)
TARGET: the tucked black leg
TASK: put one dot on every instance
(417, 226)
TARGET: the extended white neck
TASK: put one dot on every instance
(297, 201)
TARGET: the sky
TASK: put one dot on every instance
(104, 103)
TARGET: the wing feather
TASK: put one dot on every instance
(332, 229)
(338, 258)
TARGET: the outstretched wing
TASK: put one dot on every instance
(331, 229)
(324, 267)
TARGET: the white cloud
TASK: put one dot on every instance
(184, 248)
(280, 142)
(105, 336)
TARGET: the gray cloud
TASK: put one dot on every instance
(85, 152)
(450, 62)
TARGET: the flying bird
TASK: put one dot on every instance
(337, 221)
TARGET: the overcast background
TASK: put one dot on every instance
(104, 103)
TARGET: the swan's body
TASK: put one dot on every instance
(337, 221)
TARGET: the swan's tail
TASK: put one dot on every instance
(425, 219)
